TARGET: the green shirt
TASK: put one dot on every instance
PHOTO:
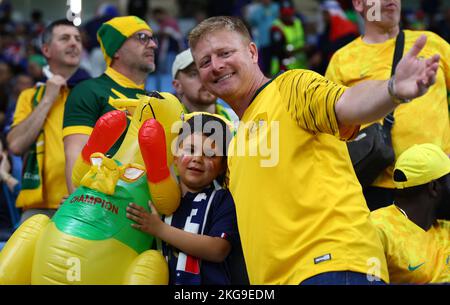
(92, 98)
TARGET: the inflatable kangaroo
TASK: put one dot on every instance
(90, 240)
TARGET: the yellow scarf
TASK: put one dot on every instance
(32, 191)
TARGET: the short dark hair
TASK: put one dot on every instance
(415, 191)
(47, 35)
(443, 210)
(192, 125)
(411, 192)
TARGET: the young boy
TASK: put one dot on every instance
(202, 232)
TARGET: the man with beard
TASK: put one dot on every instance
(36, 130)
(129, 47)
(370, 57)
(190, 90)
(416, 243)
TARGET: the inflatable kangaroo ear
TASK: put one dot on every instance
(132, 172)
(103, 174)
(96, 160)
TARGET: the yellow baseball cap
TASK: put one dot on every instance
(420, 164)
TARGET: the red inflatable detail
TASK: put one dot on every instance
(106, 132)
(152, 142)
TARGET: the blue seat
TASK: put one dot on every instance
(159, 82)
(14, 215)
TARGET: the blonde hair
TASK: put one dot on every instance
(218, 23)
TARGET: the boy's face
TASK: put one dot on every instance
(199, 161)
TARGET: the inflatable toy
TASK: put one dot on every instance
(90, 240)
(167, 110)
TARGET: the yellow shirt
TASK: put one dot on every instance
(53, 175)
(424, 120)
(299, 206)
(413, 255)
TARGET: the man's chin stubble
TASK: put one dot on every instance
(147, 69)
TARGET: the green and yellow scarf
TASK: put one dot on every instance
(32, 191)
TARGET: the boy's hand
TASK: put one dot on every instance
(144, 221)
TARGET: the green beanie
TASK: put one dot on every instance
(112, 34)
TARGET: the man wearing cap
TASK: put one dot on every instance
(190, 90)
(128, 46)
(416, 243)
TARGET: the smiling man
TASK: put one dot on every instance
(129, 47)
(38, 119)
(303, 219)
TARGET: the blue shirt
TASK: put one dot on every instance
(220, 222)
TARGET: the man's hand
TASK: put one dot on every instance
(53, 87)
(413, 75)
(26, 132)
(5, 166)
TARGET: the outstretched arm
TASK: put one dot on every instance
(213, 249)
(370, 100)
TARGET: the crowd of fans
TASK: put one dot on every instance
(46, 58)
(286, 38)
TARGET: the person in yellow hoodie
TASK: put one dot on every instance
(36, 130)
(416, 242)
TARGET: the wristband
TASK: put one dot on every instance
(397, 100)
